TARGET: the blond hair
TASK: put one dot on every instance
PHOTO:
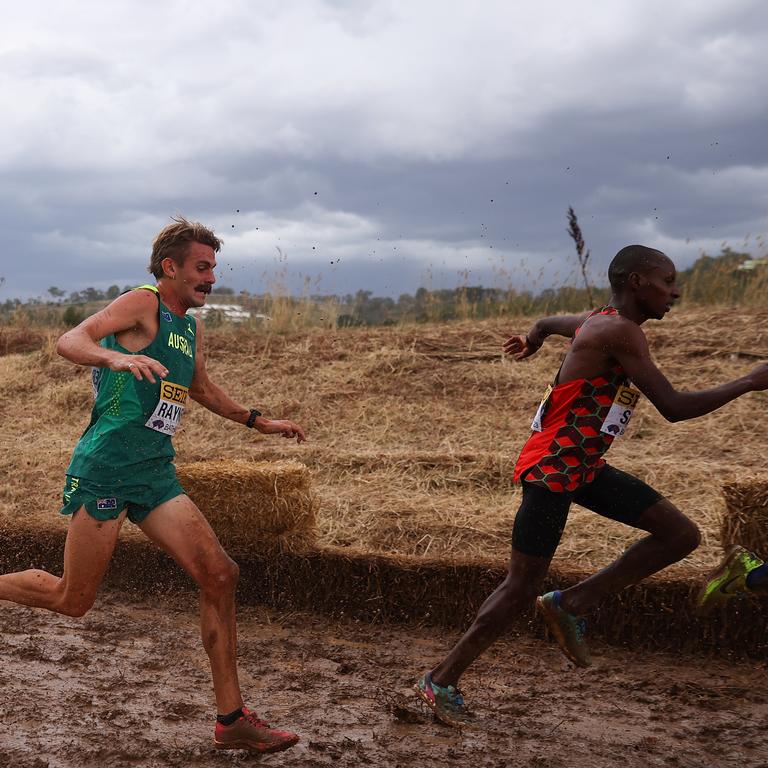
(172, 242)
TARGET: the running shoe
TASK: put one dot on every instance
(728, 580)
(569, 631)
(447, 703)
(251, 732)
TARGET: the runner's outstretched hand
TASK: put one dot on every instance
(282, 427)
(520, 347)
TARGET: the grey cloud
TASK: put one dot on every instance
(427, 130)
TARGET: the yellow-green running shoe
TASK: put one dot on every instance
(728, 580)
(447, 703)
(569, 631)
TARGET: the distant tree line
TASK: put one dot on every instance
(731, 277)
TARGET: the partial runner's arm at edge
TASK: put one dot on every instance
(521, 347)
(211, 396)
(635, 358)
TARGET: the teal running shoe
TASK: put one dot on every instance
(728, 580)
(568, 630)
(447, 703)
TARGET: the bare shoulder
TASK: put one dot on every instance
(611, 332)
(132, 309)
(623, 334)
(135, 299)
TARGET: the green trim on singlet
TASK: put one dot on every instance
(117, 446)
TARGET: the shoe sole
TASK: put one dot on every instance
(704, 607)
(554, 627)
(445, 719)
(255, 746)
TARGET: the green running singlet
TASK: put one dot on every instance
(132, 422)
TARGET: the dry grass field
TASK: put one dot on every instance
(413, 431)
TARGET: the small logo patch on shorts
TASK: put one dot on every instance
(106, 503)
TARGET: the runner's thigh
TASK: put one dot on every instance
(619, 496)
(540, 521)
(180, 529)
(88, 549)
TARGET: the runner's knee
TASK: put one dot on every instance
(682, 538)
(220, 575)
(679, 534)
(687, 538)
(75, 605)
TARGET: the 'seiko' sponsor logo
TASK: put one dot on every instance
(169, 409)
(174, 393)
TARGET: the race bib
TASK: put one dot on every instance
(536, 423)
(167, 414)
(621, 411)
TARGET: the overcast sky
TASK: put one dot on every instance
(378, 144)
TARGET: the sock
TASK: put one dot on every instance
(757, 578)
(230, 718)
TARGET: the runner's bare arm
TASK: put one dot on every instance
(131, 311)
(631, 351)
(211, 396)
(521, 347)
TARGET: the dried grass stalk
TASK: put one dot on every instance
(254, 506)
(746, 519)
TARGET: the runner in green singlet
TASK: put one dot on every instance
(146, 354)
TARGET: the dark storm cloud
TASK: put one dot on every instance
(386, 146)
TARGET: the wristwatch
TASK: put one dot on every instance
(252, 418)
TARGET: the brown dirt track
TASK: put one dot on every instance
(412, 435)
(128, 686)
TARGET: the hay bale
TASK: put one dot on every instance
(746, 518)
(254, 506)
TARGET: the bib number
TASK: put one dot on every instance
(169, 409)
(620, 413)
(536, 423)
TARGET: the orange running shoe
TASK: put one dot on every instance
(251, 732)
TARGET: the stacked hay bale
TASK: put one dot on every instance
(746, 519)
(254, 506)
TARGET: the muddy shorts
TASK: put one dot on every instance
(541, 519)
(106, 502)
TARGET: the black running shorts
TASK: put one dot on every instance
(542, 515)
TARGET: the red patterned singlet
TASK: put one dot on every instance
(578, 421)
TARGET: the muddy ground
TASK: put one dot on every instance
(128, 686)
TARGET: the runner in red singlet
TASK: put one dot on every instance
(588, 405)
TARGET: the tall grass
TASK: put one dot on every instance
(723, 281)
